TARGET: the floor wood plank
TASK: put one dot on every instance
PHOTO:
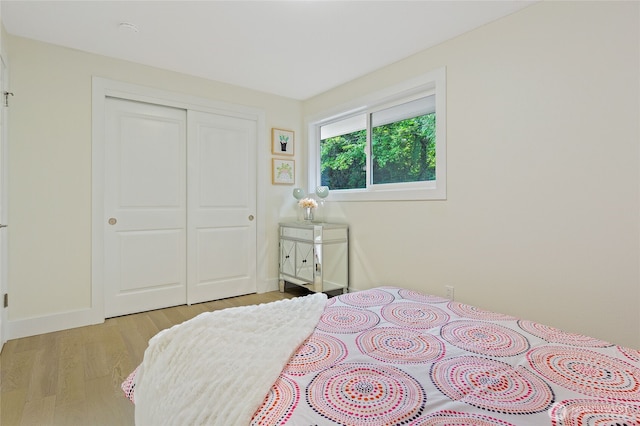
(39, 412)
(73, 377)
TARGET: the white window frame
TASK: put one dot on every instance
(433, 82)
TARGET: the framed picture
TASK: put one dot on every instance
(282, 141)
(283, 172)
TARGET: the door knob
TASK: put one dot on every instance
(113, 221)
(3, 226)
(251, 217)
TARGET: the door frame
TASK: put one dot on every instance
(4, 188)
(103, 88)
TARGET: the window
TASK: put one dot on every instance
(342, 153)
(390, 147)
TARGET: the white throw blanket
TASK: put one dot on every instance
(217, 368)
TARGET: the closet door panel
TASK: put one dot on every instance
(144, 207)
(221, 207)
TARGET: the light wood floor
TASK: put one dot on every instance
(73, 377)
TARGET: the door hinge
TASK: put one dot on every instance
(6, 300)
(6, 98)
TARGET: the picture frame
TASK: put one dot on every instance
(283, 171)
(282, 141)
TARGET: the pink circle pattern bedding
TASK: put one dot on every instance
(400, 346)
(366, 394)
(554, 335)
(419, 297)
(589, 412)
(484, 338)
(367, 299)
(587, 372)
(278, 406)
(419, 360)
(491, 385)
(449, 418)
(468, 311)
(414, 315)
(391, 356)
(345, 319)
(318, 352)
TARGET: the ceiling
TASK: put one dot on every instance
(295, 49)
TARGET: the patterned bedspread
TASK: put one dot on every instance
(394, 356)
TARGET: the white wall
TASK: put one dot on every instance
(541, 219)
(542, 216)
(50, 180)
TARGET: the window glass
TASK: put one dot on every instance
(403, 143)
(342, 153)
(343, 160)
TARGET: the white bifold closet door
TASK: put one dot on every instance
(178, 206)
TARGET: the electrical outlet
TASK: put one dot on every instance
(449, 291)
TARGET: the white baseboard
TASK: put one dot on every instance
(50, 323)
(16, 329)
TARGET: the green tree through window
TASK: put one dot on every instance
(402, 151)
(343, 161)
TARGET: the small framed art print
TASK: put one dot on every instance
(282, 141)
(283, 171)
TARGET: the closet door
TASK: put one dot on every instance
(144, 207)
(221, 236)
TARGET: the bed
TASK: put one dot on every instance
(383, 356)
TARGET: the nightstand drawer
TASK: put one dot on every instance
(297, 233)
